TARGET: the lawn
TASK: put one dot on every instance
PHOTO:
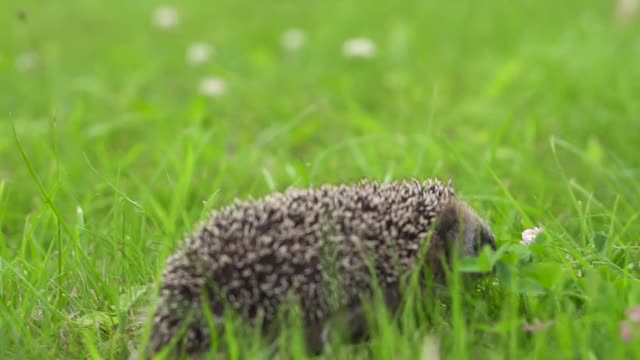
(119, 132)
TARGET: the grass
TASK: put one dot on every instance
(530, 107)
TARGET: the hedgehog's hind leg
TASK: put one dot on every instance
(179, 320)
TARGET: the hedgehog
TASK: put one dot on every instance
(253, 256)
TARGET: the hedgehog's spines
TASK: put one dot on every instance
(257, 251)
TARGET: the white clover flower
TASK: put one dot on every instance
(27, 61)
(538, 326)
(199, 53)
(359, 48)
(165, 17)
(529, 235)
(633, 314)
(213, 86)
(626, 10)
(293, 39)
(626, 331)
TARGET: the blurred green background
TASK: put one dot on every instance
(530, 107)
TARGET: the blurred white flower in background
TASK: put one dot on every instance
(213, 86)
(529, 235)
(633, 314)
(199, 53)
(27, 61)
(626, 332)
(165, 17)
(293, 39)
(626, 10)
(537, 326)
(360, 47)
(629, 327)
(430, 348)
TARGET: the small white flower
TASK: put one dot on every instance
(293, 39)
(430, 348)
(213, 86)
(359, 48)
(165, 17)
(27, 61)
(538, 326)
(199, 53)
(529, 235)
(626, 331)
(626, 9)
(633, 314)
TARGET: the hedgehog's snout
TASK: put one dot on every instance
(465, 229)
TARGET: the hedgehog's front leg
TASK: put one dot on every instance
(352, 324)
(349, 325)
